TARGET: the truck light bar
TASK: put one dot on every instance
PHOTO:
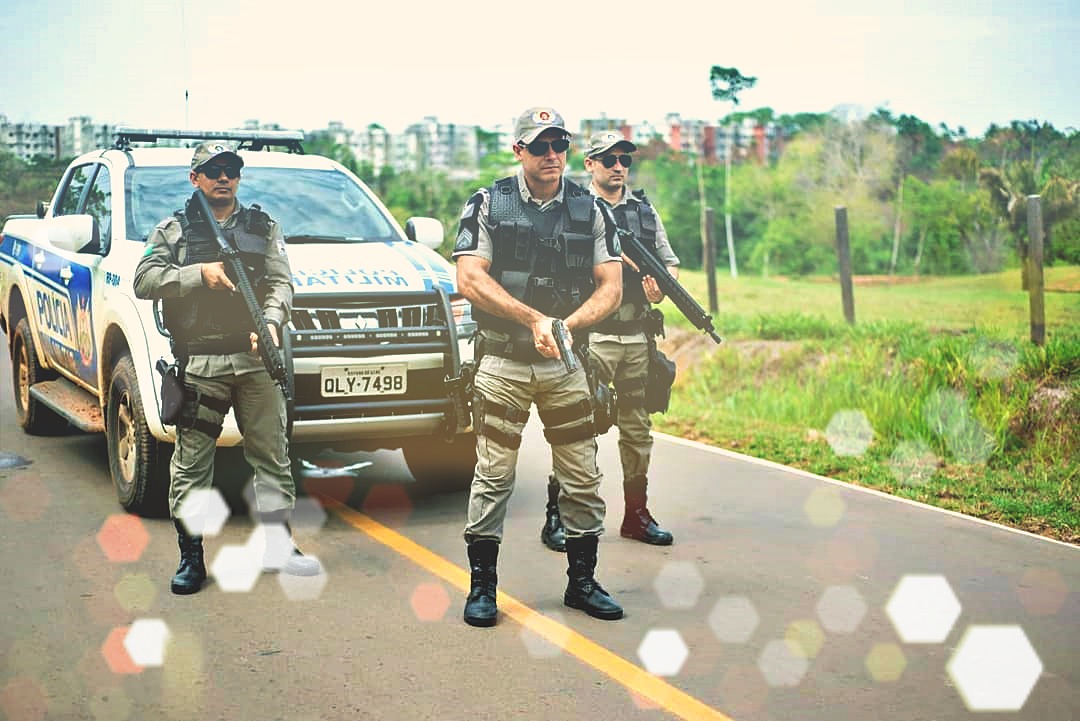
(247, 139)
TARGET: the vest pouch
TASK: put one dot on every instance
(172, 392)
(510, 245)
(577, 252)
(658, 382)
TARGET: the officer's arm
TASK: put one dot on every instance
(278, 304)
(604, 300)
(158, 275)
(476, 284)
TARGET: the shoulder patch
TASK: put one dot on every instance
(468, 236)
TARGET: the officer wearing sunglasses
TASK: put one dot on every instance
(618, 346)
(533, 247)
(214, 343)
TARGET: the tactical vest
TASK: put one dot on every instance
(207, 315)
(637, 216)
(542, 258)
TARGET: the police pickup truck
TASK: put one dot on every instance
(372, 303)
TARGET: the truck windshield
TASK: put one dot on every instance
(324, 204)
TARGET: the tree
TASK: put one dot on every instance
(726, 83)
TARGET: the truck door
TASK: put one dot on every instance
(62, 293)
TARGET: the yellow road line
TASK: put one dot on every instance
(630, 676)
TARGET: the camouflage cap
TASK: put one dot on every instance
(604, 141)
(210, 149)
(534, 121)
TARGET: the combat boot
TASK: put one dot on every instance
(480, 607)
(638, 523)
(553, 534)
(583, 591)
(191, 572)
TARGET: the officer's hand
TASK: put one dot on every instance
(544, 340)
(213, 276)
(652, 289)
(273, 336)
(632, 264)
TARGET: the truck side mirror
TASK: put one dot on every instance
(426, 231)
(75, 233)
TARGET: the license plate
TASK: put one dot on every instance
(363, 380)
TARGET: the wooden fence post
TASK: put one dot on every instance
(1035, 270)
(843, 256)
(710, 259)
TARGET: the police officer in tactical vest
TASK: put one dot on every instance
(618, 345)
(215, 345)
(532, 248)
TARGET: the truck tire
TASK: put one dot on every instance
(441, 467)
(138, 462)
(32, 415)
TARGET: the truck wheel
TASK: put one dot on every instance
(138, 463)
(32, 415)
(439, 466)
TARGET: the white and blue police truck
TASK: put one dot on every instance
(372, 301)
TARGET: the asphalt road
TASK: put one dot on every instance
(770, 605)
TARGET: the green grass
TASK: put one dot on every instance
(965, 412)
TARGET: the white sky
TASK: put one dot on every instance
(303, 64)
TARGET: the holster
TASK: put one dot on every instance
(172, 391)
(659, 380)
(603, 397)
(460, 391)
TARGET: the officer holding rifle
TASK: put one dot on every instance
(620, 344)
(215, 342)
(531, 249)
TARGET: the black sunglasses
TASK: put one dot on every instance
(232, 172)
(540, 147)
(608, 161)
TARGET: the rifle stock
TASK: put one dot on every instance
(271, 356)
(649, 264)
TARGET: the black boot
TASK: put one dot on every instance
(638, 523)
(584, 591)
(553, 534)
(480, 608)
(191, 572)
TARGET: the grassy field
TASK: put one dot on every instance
(935, 394)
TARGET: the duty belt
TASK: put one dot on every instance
(522, 352)
(619, 327)
(218, 346)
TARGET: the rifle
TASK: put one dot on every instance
(269, 353)
(651, 265)
(561, 333)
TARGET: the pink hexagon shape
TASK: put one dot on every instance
(116, 654)
(123, 538)
(429, 601)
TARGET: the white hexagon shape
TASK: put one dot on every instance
(270, 545)
(913, 463)
(663, 652)
(679, 584)
(825, 507)
(304, 588)
(204, 512)
(308, 517)
(948, 414)
(782, 664)
(994, 360)
(923, 609)
(145, 641)
(549, 639)
(733, 619)
(849, 433)
(235, 570)
(994, 668)
(841, 609)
